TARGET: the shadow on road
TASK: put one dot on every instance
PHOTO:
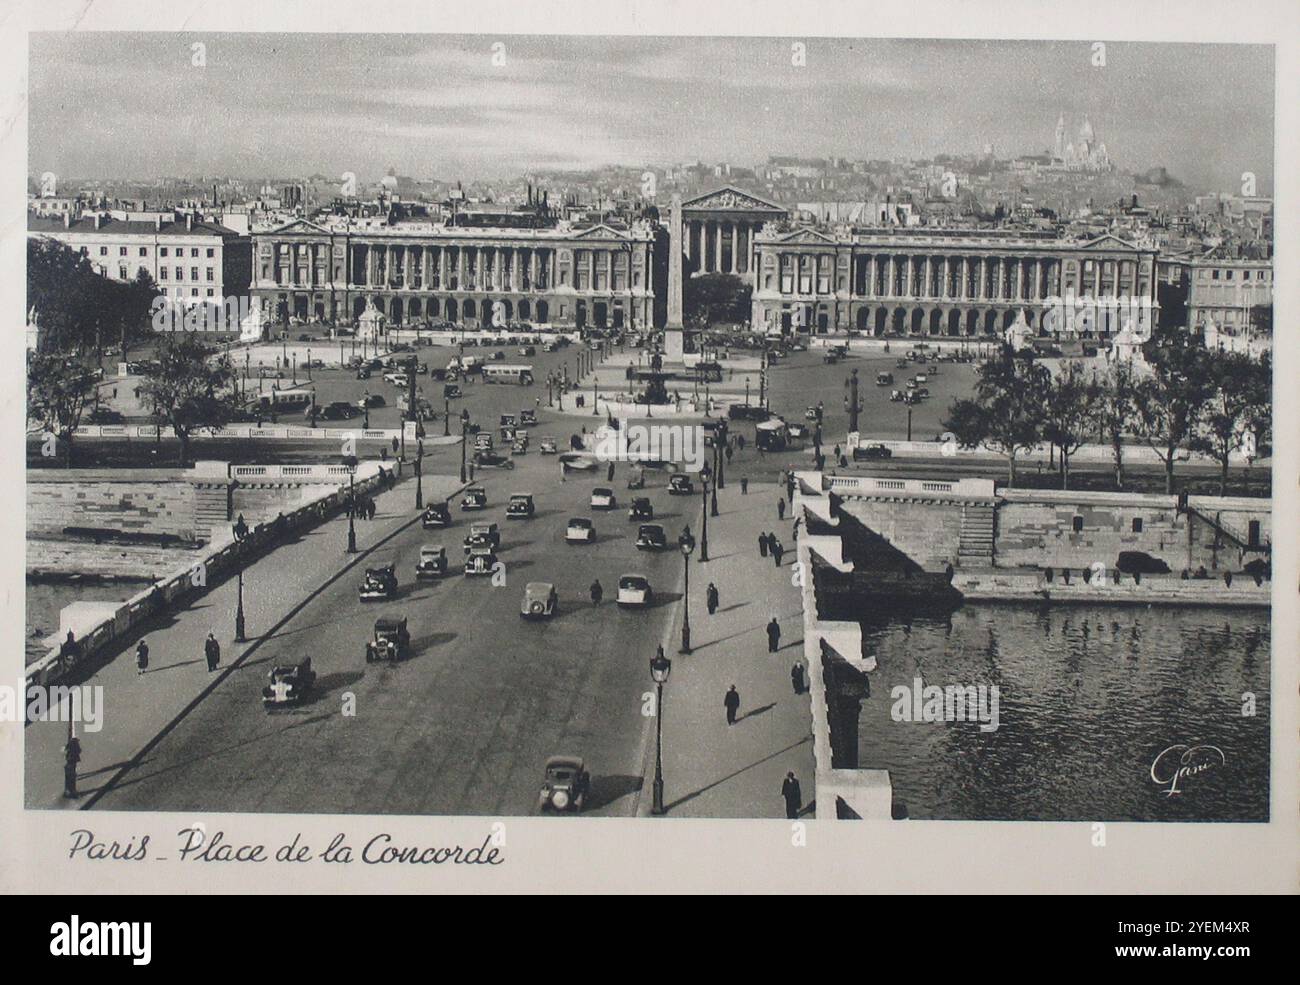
(605, 790)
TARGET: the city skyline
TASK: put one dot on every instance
(435, 106)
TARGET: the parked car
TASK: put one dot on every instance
(651, 537)
(680, 485)
(642, 509)
(602, 498)
(337, 410)
(520, 506)
(475, 498)
(580, 530)
(378, 583)
(290, 683)
(871, 451)
(634, 591)
(372, 400)
(566, 785)
(391, 641)
(540, 600)
(432, 563)
(104, 415)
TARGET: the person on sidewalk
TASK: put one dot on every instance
(794, 532)
(744, 485)
(732, 703)
(212, 650)
(762, 545)
(796, 677)
(597, 592)
(141, 657)
(780, 508)
(792, 794)
(609, 474)
(773, 636)
(777, 549)
(71, 757)
(711, 598)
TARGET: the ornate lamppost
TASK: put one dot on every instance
(351, 462)
(464, 428)
(419, 475)
(686, 544)
(706, 474)
(660, 668)
(240, 530)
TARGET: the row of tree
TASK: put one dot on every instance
(1187, 399)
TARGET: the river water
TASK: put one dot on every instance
(1088, 699)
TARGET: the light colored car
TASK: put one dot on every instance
(540, 600)
(602, 498)
(397, 379)
(548, 447)
(634, 591)
(580, 530)
(566, 785)
(432, 563)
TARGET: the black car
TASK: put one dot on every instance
(871, 451)
(642, 509)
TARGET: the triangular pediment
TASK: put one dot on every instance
(731, 199)
(1109, 241)
(806, 237)
(301, 227)
(601, 231)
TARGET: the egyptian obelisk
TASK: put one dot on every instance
(674, 335)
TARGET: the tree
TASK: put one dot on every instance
(1169, 403)
(1237, 398)
(715, 299)
(1007, 412)
(60, 288)
(189, 392)
(58, 389)
(1068, 411)
(1115, 410)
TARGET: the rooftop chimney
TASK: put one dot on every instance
(157, 223)
(67, 219)
(189, 222)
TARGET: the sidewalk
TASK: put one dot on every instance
(712, 769)
(137, 707)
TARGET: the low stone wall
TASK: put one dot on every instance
(154, 502)
(127, 562)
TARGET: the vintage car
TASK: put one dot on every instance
(520, 506)
(489, 460)
(602, 498)
(528, 418)
(392, 641)
(507, 420)
(642, 509)
(378, 583)
(872, 451)
(548, 447)
(634, 591)
(480, 562)
(884, 379)
(902, 363)
(636, 479)
(680, 485)
(895, 396)
(289, 683)
(540, 600)
(485, 535)
(576, 461)
(580, 530)
(451, 391)
(810, 414)
(475, 498)
(483, 441)
(922, 393)
(432, 563)
(651, 537)
(566, 785)
(520, 445)
(435, 516)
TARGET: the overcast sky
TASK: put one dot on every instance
(133, 105)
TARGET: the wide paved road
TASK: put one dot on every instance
(465, 724)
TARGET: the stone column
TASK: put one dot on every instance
(673, 341)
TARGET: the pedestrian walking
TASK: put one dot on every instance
(597, 592)
(732, 703)
(780, 508)
(609, 474)
(762, 545)
(141, 657)
(792, 794)
(71, 757)
(744, 485)
(727, 451)
(773, 636)
(711, 598)
(212, 650)
(796, 677)
(371, 509)
(794, 531)
(777, 549)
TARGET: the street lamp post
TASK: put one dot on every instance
(419, 475)
(351, 462)
(464, 427)
(446, 416)
(719, 446)
(705, 475)
(240, 531)
(686, 544)
(660, 668)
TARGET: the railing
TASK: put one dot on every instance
(852, 485)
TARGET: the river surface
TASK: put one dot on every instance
(1088, 699)
(45, 599)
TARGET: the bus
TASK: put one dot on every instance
(287, 399)
(520, 375)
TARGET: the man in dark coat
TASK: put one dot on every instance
(212, 650)
(773, 636)
(780, 508)
(777, 549)
(792, 794)
(711, 598)
(597, 592)
(141, 657)
(732, 703)
(762, 545)
(71, 757)
(796, 677)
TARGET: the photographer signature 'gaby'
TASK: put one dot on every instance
(1181, 761)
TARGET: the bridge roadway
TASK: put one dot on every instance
(465, 724)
